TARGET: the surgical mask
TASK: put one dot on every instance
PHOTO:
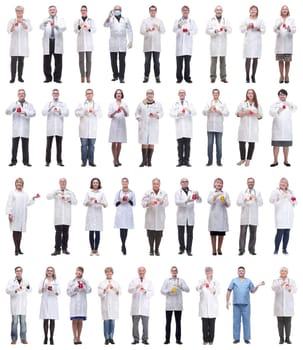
(117, 13)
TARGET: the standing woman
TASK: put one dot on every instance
(284, 27)
(117, 111)
(95, 201)
(252, 27)
(50, 289)
(249, 112)
(218, 219)
(125, 200)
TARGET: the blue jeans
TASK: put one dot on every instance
(109, 328)
(87, 150)
(14, 327)
(241, 311)
(211, 135)
(282, 233)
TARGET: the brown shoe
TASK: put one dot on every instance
(88, 80)
(14, 342)
(24, 341)
(82, 80)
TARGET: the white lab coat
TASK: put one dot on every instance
(215, 118)
(17, 204)
(19, 38)
(21, 121)
(218, 219)
(183, 118)
(152, 28)
(284, 39)
(148, 127)
(252, 39)
(49, 300)
(119, 32)
(18, 296)
(55, 111)
(78, 300)
(184, 40)
(141, 294)
(249, 201)
(218, 36)
(174, 300)
(94, 214)
(85, 35)
(124, 217)
(117, 131)
(282, 122)
(284, 208)
(63, 200)
(208, 303)
(249, 125)
(186, 207)
(88, 120)
(284, 297)
(59, 28)
(155, 205)
(109, 299)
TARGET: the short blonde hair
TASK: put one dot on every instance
(19, 8)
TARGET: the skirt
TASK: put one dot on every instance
(78, 318)
(286, 57)
(217, 233)
(281, 143)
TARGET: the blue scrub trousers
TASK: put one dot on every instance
(241, 312)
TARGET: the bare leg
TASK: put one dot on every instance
(276, 154)
(220, 242)
(213, 244)
(80, 325)
(287, 67)
(281, 69)
(75, 329)
(118, 150)
(114, 152)
(285, 152)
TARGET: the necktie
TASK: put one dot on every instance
(53, 29)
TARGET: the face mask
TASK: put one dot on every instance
(117, 13)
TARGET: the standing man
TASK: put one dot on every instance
(120, 31)
(18, 288)
(55, 111)
(185, 201)
(172, 288)
(21, 111)
(217, 28)
(152, 28)
(53, 28)
(249, 200)
(88, 112)
(141, 290)
(63, 200)
(241, 286)
(185, 28)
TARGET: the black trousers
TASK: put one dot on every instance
(148, 56)
(114, 59)
(61, 238)
(208, 329)
(17, 236)
(250, 152)
(49, 142)
(189, 238)
(178, 315)
(184, 150)
(25, 155)
(284, 323)
(47, 60)
(14, 61)
(154, 239)
(186, 59)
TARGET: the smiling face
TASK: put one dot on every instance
(62, 184)
(250, 95)
(50, 272)
(282, 97)
(218, 11)
(21, 95)
(283, 185)
(152, 11)
(149, 95)
(79, 273)
(182, 94)
(83, 11)
(156, 185)
(216, 94)
(18, 273)
(185, 12)
(174, 272)
(109, 274)
(141, 272)
(124, 184)
(52, 11)
(283, 272)
(218, 185)
(253, 12)
(250, 183)
(241, 273)
(96, 184)
(284, 11)
(19, 185)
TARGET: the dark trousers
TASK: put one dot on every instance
(154, 239)
(189, 238)
(47, 66)
(17, 236)
(148, 56)
(250, 152)
(178, 315)
(208, 329)
(284, 323)
(184, 150)
(94, 239)
(217, 137)
(49, 142)
(252, 238)
(123, 236)
(282, 233)
(25, 155)
(14, 61)
(61, 238)
(186, 59)
(113, 59)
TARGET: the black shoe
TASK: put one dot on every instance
(27, 164)
(92, 164)
(247, 80)
(47, 81)
(274, 164)
(241, 253)
(166, 341)
(16, 253)
(51, 341)
(145, 80)
(178, 82)
(12, 81)
(135, 342)
(60, 164)
(111, 341)
(46, 164)
(58, 81)
(123, 250)
(45, 341)
(21, 80)
(209, 164)
(252, 253)
(114, 79)
(56, 252)
(158, 80)
(224, 81)
(189, 253)
(210, 343)
(287, 341)
(179, 342)
(189, 81)
(219, 164)
(157, 253)
(12, 164)
(253, 79)
(151, 253)
(187, 164)
(286, 164)
(181, 252)
(19, 252)
(83, 164)
(65, 251)
(246, 341)
(179, 164)
(285, 252)
(106, 341)
(122, 81)
(281, 341)
(145, 342)
(236, 341)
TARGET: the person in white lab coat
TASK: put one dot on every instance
(285, 28)
(249, 200)
(281, 112)
(84, 27)
(249, 112)
(152, 28)
(125, 200)
(117, 111)
(217, 28)
(18, 288)
(77, 290)
(55, 111)
(95, 201)
(21, 112)
(49, 289)
(185, 28)
(284, 201)
(53, 27)
(63, 200)
(18, 28)
(89, 112)
(183, 111)
(109, 291)
(209, 289)
(253, 27)
(215, 111)
(154, 201)
(148, 113)
(284, 288)
(185, 201)
(120, 31)
(142, 290)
